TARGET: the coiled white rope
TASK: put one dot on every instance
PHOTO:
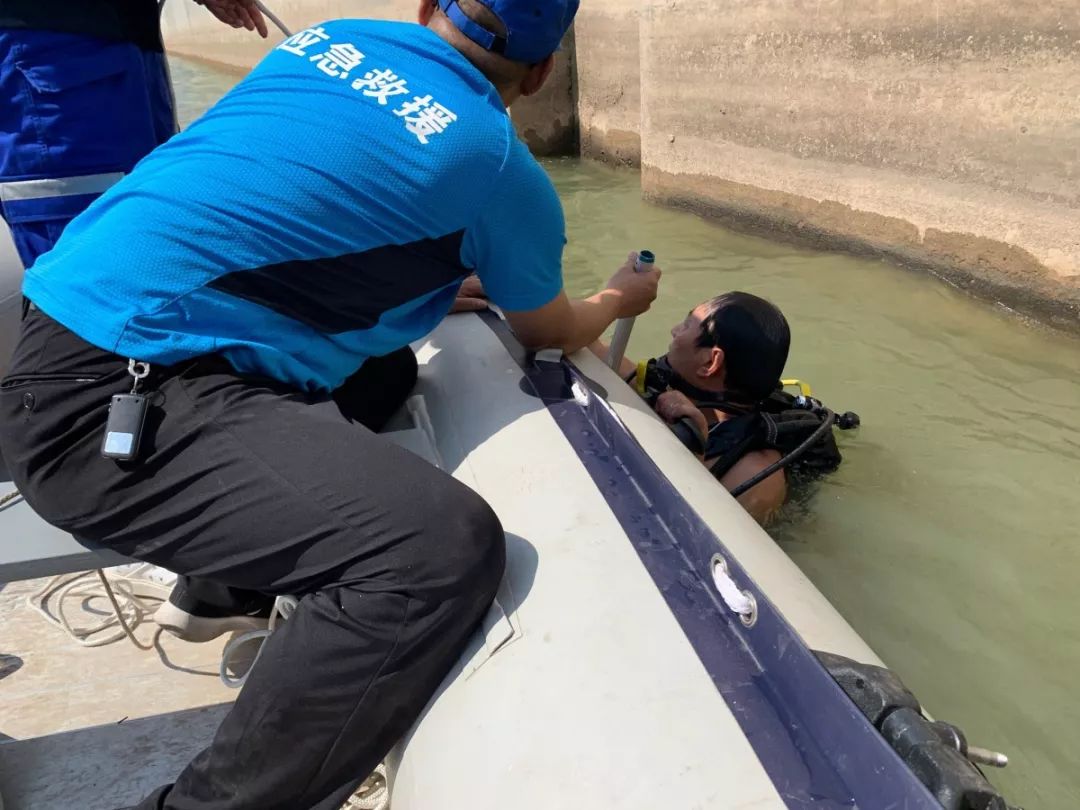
(283, 609)
(132, 600)
(374, 794)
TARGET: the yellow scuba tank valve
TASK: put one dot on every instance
(804, 388)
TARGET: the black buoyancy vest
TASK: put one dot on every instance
(777, 423)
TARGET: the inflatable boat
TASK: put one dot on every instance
(650, 646)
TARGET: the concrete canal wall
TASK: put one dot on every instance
(944, 134)
(609, 81)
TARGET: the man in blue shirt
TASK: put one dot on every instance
(266, 270)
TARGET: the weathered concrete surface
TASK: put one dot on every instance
(942, 134)
(547, 122)
(609, 81)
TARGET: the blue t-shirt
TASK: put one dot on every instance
(325, 211)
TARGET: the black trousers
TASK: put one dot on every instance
(250, 484)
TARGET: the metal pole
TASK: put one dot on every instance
(625, 326)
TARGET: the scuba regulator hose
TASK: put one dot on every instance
(844, 422)
(790, 458)
(657, 376)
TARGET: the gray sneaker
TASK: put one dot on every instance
(197, 629)
(191, 618)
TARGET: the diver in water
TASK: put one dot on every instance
(719, 387)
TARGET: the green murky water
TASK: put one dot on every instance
(948, 538)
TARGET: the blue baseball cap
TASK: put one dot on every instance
(534, 28)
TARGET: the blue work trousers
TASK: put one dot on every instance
(76, 114)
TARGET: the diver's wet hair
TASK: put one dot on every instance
(755, 338)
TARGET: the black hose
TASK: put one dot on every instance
(794, 455)
(686, 431)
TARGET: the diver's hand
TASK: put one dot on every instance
(675, 405)
(238, 14)
(636, 291)
(471, 296)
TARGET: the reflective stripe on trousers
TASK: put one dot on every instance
(14, 190)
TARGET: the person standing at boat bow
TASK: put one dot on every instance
(245, 299)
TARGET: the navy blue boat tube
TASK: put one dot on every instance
(814, 743)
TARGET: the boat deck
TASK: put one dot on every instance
(97, 727)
